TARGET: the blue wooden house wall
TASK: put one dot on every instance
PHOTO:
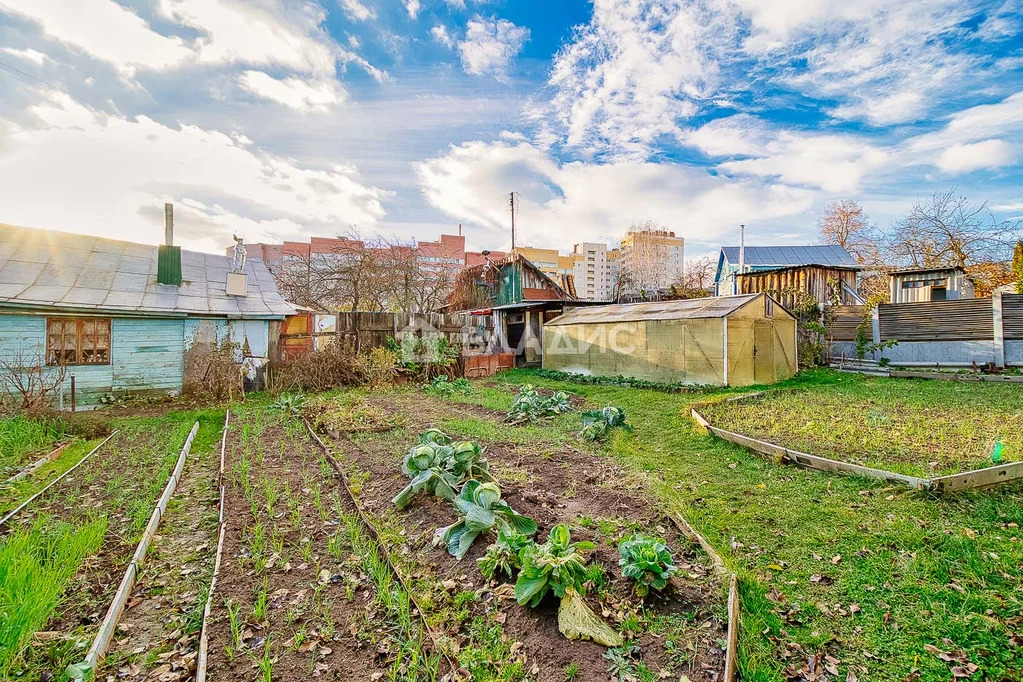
(146, 354)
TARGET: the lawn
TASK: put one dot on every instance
(893, 584)
(920, 428)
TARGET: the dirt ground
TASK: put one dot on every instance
(314, 594)
(569, 486)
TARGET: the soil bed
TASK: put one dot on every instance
(303, 607)
(597, 500)
(924, 431)
(120, 483)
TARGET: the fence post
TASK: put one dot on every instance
(875, 324)
(999, 323)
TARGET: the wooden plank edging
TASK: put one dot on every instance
(732, 648)
(977, 478)
(203, 654)
(101, 643)
(38, 463)
(57, 480)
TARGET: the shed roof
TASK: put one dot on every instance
(695, 308)
(74, 272)
(920, 271)
(791, 255)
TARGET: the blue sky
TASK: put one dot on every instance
(281, 119)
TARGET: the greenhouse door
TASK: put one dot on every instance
(763, 352)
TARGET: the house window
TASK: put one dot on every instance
(77, 341)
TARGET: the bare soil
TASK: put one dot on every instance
(317, 604)
(599, 501)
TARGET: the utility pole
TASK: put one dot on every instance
(511, 203)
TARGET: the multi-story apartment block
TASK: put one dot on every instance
(591, 273)
(652, 259)
(544, 259)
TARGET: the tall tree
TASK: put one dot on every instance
(844, 223)
(949, 230)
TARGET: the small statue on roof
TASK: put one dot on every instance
(239, 254)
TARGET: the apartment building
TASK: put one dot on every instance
(591, 271)
(653, 259)
(546, 260)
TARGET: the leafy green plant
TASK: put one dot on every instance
(289, 403)
(647, 561)
(438, 466)
(598, 423)
(482, 509)
(529, 405)
(628, 382)
(558, 566)
(440, 385)
(553, 566)
(504, 554)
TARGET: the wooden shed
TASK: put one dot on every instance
(724, 341)
(827, 284)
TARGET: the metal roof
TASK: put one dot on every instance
(694, 308)
(59, 270)
(920, 271)
(791, 255)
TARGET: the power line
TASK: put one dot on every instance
(15, 71)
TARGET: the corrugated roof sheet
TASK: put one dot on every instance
(45, 268)
(791, 255)
(714, 306)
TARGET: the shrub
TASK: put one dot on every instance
(647, 561)
(213, 372)
(482, 510)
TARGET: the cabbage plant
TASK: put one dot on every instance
(647, 561)
(504, 554)
(597, 423)
(558, 566)
(482, 510)
(530, 406)
(438, 466)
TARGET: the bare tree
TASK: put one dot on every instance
(25, 377)
(697, 280)
(845, 224)
(948, 230)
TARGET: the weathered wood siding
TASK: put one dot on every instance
(812, 279)
(145, 354)
(1012, 316)
(844, 322)
(965, 319)
(371, 330)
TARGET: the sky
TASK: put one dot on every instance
(283, 119)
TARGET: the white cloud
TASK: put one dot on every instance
(145, 163)
(963, 158)
(490, 45)
(641, 68)
(356, 10)
(831, 162)
(297, 93)
(103, 29)
(28, 54)
(412, 7)
(562, 203)
(441, 35)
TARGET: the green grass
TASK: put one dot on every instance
(13, 494)
(35, 566)
(21, 436)
(919, 569)
(921, 428)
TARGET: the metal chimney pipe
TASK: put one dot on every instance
(742, 255)
(168, 224)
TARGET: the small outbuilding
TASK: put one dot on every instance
(724, 341)
(919, 285)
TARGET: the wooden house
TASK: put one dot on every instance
(828, 285)
(122, 317)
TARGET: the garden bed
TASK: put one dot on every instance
(110, 497)
(680, 631)
(884, 425)
(301, 593)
